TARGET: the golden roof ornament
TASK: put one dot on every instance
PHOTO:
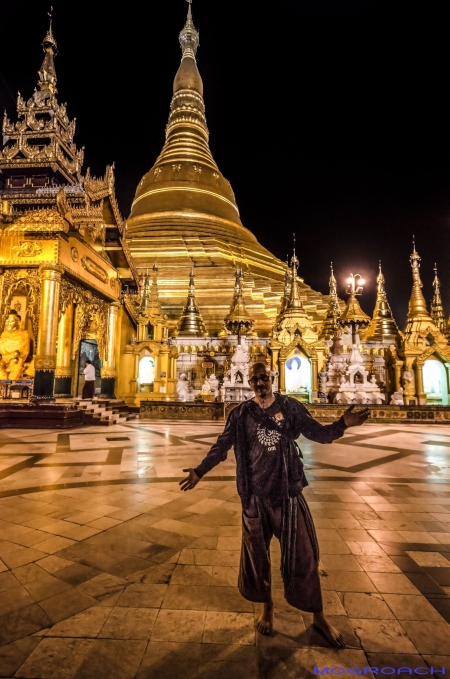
(437, 309)
(417, 307)
(330, 323)
(383, 325)
(238, 321)
(294, 302)
(287, 290)
(191, 321)
(47, 73)
(189, 36)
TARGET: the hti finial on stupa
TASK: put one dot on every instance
(238, 321)
(47, 73)
(189, 36)
(191, 321)
(437, 309)
(287, 289)
(417, 306)
(330, 323)
(383, 325)
(294, 297)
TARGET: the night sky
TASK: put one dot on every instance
(330, 119)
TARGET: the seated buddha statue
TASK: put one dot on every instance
(14, 339)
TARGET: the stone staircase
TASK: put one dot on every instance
(105, 412)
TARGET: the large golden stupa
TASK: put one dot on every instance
(185, 216)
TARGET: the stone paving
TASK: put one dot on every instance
(107, 570)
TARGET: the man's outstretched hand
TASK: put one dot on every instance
(352, 419)
(190, 481)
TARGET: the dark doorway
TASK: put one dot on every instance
(89, 350)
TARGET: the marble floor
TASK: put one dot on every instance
(107, 570)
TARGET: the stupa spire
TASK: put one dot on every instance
(294, 297)
(437, 309)
(47, 72)
(330, 323)
(191, 321)
(238, 321)
(417, 306)
(189, 36)
(383, 325)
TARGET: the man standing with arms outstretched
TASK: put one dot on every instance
(270, 480)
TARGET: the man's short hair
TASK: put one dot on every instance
(88, 361)
(258, 364)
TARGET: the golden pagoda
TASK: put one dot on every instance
(423, 341)
(383, 326)
(330, 323)
(185, 214)
(191, 322)
(437, 309)
(238, 321)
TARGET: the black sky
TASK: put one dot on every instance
(329, 117)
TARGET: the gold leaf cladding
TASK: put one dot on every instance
(27, 249)
(38, 220)
(94, 269)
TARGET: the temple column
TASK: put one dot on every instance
(45, 361)
(162, 365)
(398, 374)
(172, 381)
(275, 355)
(108, 373)
(421, 396)
(63, 371)
(282, 381)
(315, 378)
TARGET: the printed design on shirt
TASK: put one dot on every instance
(268, 437)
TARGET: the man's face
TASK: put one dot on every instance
(261, 381)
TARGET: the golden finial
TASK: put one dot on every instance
(294, 297)
(330, 323)
(383, 325)
(191, 321)
(47, 73)
(437, 309)
(189, 36)
(417, 305)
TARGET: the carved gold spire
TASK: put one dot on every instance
(189, 36)
(294, 303)
(383, 325)
(330, 323)
(238, 321)
(47, 73)
(437, 309)
(191, 321)
(417, 306)
(287, 290)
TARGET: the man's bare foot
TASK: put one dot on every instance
(330, 633)
(265, 620)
